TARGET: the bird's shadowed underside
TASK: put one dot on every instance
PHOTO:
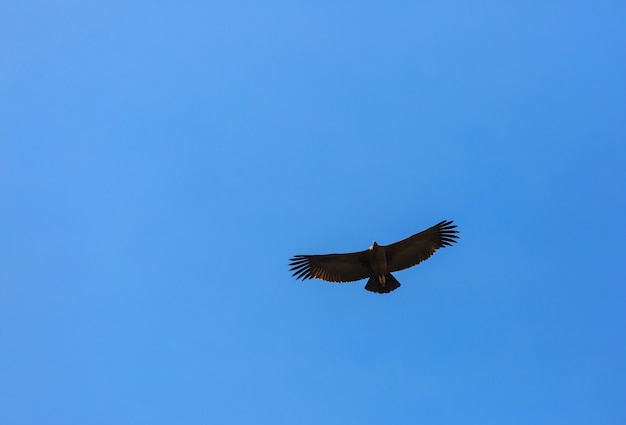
(377, 262)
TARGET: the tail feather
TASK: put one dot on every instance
(374, 285)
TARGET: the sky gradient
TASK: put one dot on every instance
(160, 163)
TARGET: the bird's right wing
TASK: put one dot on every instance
(332, 267)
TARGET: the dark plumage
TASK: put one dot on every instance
(377, 262)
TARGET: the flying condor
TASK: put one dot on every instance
(377, 262)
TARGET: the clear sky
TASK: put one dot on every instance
(161, 162)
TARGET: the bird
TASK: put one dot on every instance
(378, 261)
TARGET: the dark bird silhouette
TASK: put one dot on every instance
(377, 262)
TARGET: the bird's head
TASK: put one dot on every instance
(374, 245)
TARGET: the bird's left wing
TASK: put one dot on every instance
(417, 248)
(331, 267)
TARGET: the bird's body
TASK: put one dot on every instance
(377, 262)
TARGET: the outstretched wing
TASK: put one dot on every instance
(331, 267)
(417, 248)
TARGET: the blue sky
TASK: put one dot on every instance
(161, 162)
